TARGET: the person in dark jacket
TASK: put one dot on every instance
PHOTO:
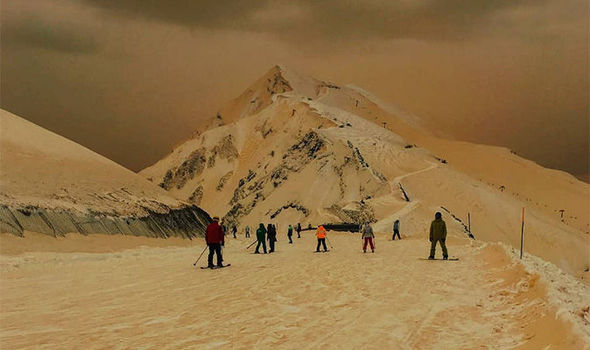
(438, 233)
(396, 230)
(271, 235)
(247, 231)
(290, 234)
(215, 238)
(234, 231)
(260, 237)
(298, 230)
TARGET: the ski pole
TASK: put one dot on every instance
(199, 258)
(251, 244)
(330, 243)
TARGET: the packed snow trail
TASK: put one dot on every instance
(152, 297)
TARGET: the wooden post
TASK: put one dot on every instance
(522, 232)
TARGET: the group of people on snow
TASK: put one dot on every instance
(215, 237)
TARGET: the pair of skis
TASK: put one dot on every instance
(208, 267)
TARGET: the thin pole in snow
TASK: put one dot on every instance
(522, 232)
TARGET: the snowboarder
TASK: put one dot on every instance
(298, 230)
(438, 233)
(290, 234)
(234, 231)
(321, 235)
(260, 237)
(271, 235)
(368, 236)
(247, 231)
(214, 237)
(396, 230)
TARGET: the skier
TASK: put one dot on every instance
(290, 234)
(298, 230)
(368, 236)
(214, 237)
(247, 234)
(260, 237)
(271, 236)
(438, 233)
(321, 235)
(396, 230)
(234, 231)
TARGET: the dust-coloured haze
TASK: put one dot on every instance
(130, 78)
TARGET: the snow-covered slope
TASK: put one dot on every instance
(46, 179)
(315, 152)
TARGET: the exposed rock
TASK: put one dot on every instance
(363, 213)
(196, 196)
(295, 206)
(223, 180)
(193, 165)
(225, 149)
(184, 222)
(296, 158)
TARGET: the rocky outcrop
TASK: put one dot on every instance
(295, 206)
(362, 214)
(223, 180)
(225, 149)
(251, 189)
(192, 166)
(187, 222)
(197, 195)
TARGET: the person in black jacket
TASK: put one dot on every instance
(260, 237)
(271, 235)
(298, 230)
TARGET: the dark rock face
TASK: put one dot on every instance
(197, 195)
(187, 222)
(225, 149)
(364, 213)
(193, 165)
(196, 163)
(297, 157)
(295, 206)
(277, 84)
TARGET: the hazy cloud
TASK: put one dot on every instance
(335, 19)
(132, 78)
(56, 36)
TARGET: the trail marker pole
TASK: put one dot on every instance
(522, 233)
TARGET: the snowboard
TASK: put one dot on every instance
(449, 259)
(321, 251)
(215, 267)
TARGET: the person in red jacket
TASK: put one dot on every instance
(215, 238)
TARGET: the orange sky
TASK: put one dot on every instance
(129, 78)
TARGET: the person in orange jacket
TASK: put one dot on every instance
(321, 235)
